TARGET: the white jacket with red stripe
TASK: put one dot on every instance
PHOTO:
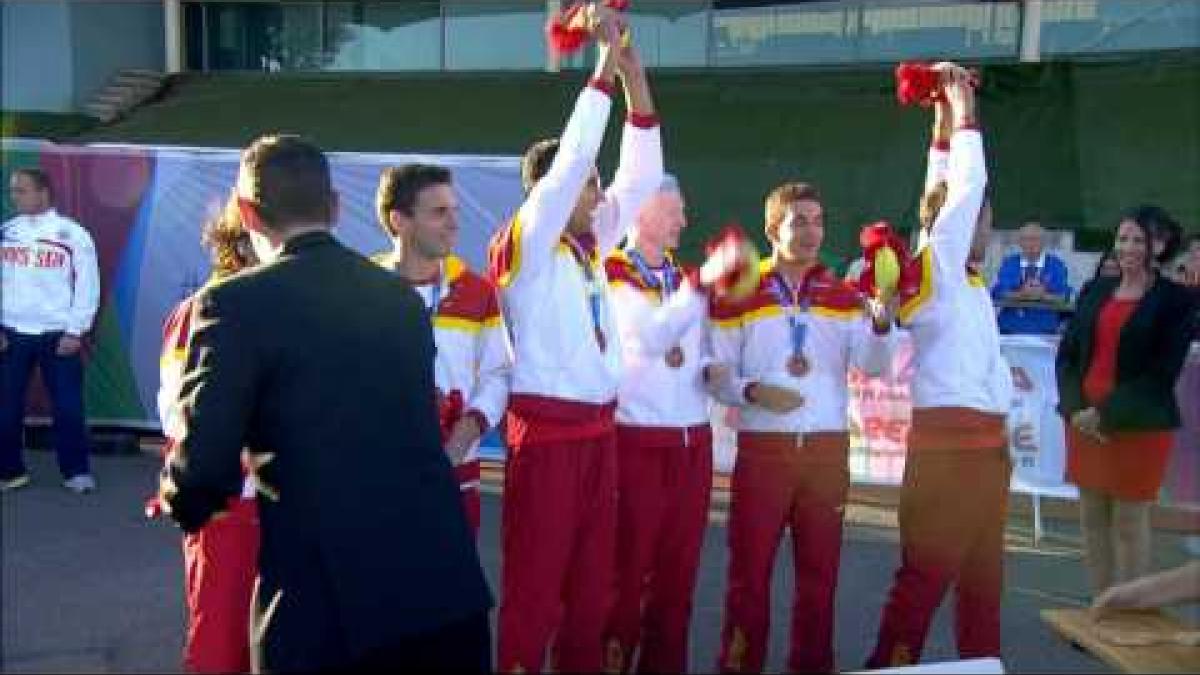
(544, 290)
(651, 392)
(171, 364)
(947, 307)
(49, 279)
(753, 336)
(472, 348)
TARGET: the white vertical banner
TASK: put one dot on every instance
(1036, 435)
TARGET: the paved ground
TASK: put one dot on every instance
(90, 586)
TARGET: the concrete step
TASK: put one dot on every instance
(139, 81)
(142, 72)
(102, 111)
(115, 98)
(125, 91)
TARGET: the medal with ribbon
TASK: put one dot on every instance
(665, 287)
(795, 304)
(593, 288)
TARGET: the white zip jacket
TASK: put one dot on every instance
(651, 392)
(544, 292)
(754, 338)
(171, 364)
(948, 309)
(472, 349)
(49, 280)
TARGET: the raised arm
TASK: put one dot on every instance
(966, 178)
(543, 217)
(640, 171)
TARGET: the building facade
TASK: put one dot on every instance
(57, 53)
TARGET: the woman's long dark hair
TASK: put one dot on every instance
(1157, 225)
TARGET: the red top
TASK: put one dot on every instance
(1129, 465)
(1102, 371)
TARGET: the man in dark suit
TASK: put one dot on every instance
(321, 364)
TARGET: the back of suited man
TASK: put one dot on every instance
(366, 555)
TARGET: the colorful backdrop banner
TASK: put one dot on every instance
(145, 206)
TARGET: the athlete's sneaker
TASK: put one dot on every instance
(14, 483)
(80, 484)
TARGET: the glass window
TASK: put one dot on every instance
(495, 34)
(932, 30)
(1098, 26)
(671, 32)
(812, 33)
(193, 36)
(264, 36)
(831, 32)
(384, 36)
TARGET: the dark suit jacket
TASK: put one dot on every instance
(325, 361)
(1150, 356)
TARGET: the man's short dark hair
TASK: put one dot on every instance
(536, 162)
(289, 181)
(40, 178)
(400, 185)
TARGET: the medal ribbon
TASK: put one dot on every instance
(670, 274)
(795, 302)
(593, 286)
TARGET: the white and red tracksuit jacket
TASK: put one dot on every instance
(754, 337)
(172, 361)
(561, 376)
(49, 279)
(472, 349)
(948, 309)
(652, 393)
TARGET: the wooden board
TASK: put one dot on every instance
(1097, 638)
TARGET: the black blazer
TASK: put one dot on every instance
(325, 361)
(1153, 346)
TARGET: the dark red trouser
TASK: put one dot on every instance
(220, 565)
(559, 531)
(776, 484)
(662, 505)
(952, 513)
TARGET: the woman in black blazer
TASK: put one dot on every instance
(1117, 366)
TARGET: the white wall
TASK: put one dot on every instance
(108, 36)
(56, 54)
(36, 55)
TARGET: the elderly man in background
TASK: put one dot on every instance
(1030, 277)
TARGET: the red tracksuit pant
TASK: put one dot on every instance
(558, 541)
(952, 513)
(778, 483)
(220, 565)
(662, 505)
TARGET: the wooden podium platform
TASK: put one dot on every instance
(1132, 641)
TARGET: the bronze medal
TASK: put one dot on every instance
(798, 365)
(674, 357)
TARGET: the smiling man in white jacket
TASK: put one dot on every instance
(49, 292)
